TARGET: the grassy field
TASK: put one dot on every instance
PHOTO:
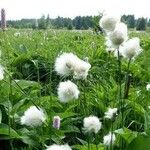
(28, 57)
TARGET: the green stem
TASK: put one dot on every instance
(111, 145)
(89, 142)
(127, 81)
(120, 89)
(120, 95)
(96, 141)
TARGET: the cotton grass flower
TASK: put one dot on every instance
(131, 48)
(1, 72)
(33, 117)
(81, 69)
(59, 147)
(67, 91)
(109, 138)
(110, 114)
(92, 124)
(56, 122)
(65, 64)
(119, 35)
(148, 87)
(108, 22)
(69, 64)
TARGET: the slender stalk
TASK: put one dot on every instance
(120, 95)
(96, 141)
(120, 89)
(127, 82)
(89, 142)
(111, 144)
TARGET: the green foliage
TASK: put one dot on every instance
(129, 20)
(30, 79)
(141, 24)
(42, 24)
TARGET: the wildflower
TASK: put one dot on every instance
(69, 64)
(67, 91)
(131, 48)
(65, 64)
(1, 72)
(108, 23)
(92, 124)
(148, 87)
(33, 117)
(109, 138)
(56, 122)
(59, 147)
(119, 35)
(81, 69)
(110, 113)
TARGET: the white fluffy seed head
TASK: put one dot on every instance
(109, 138)
(148, 87)
(64, 64)
(119, 35)
(92, 124)
(69, 64)
(108, 22)
(59, 147)
(1, 72)
(81, 69)
(33, 117)
(131, 48)
(110, 113)
(67, 91)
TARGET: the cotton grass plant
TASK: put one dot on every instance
(74, 104)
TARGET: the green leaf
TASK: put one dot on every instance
(91, 146)
(136, 107)
(127, 134)
(17, 106)
(0, 116)
(142, 142)
(147, 122)
(25, 84)
(5, 130)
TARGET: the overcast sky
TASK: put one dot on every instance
(17, 9)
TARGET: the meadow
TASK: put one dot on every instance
(28, 58)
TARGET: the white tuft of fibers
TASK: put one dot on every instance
(109, 138)
(108, 22)
(110, 113)
(92, 124)
(67, 91)
(119, 35)
(1, 72)
(59, 147)
(33, 117)
(65, 64)
(69, 64)
(81, 69)
(131, 48)
(148, 87)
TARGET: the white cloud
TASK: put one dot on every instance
(17, 9)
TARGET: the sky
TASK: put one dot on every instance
(18, 9)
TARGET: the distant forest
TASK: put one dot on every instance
(79, 23)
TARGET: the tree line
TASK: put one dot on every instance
(79, 22)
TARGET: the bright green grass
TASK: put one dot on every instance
(30, 56)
